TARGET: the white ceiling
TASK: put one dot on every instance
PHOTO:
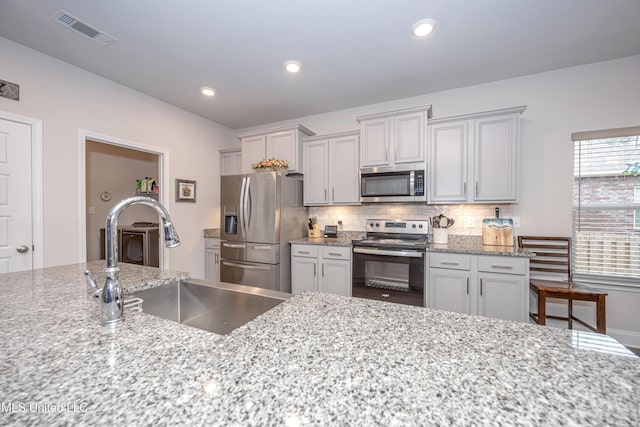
(353, 52)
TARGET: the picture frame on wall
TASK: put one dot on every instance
(185, 190)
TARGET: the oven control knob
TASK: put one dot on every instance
(420, 226)
(371, 225)
(413, 226)
(377, 224)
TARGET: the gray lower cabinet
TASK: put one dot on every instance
(321, 268)
(492, 286)
(212, 259)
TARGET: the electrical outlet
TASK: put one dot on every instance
(92, 210)
(471, 222)
(516, 222)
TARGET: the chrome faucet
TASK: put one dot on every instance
(110, 297)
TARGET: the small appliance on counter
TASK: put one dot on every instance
(331, 231)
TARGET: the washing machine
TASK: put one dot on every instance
(139, 244)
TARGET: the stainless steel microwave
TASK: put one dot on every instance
(393, 184)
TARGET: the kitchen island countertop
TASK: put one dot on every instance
(316, 359)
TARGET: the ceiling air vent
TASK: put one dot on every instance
(67, 20)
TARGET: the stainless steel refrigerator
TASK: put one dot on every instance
(260, 213)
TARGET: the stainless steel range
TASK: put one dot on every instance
(389, 264)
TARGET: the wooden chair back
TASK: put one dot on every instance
(553, 255)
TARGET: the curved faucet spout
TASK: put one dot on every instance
(111, 297)
(171, 237)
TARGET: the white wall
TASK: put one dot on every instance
(68, 99)
(595, 96)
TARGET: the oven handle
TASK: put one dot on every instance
(404, 254)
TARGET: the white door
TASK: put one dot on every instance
(15, 197)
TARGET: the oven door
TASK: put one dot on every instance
(394, 275)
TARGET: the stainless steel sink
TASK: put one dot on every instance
(214, 307)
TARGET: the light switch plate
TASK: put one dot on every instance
(516, 222)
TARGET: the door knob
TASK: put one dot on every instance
(22, 249)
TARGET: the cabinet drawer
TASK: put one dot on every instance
(336, 252)
(211, 243)
(452, 261)
(506, 265)
(310, 251)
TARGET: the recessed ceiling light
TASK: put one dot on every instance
(423, 28)
(292, 66)
(207, 91)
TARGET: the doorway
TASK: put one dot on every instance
(113, 170)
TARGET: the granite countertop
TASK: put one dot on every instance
(457, 244)
(344, 239)
(316, 359)
(472, 245)
(211, 233)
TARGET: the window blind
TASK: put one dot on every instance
(606, 214)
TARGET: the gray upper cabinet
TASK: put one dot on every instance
(474, 158)
(231, 161)
(283, 143)
(331, 169)
(394, 137)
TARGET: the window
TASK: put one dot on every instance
(636, 215)
(606, 199)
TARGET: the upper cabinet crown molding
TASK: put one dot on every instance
(394, 137)
(300, 128)
(282, 143)
(422, 108)
(471, 116)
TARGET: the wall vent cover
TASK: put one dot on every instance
(69, 21)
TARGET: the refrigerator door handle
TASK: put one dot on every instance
(241, 208)
(247, 206)
(234, 245)
(245, 267)
(262, 247)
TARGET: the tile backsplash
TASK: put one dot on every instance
(468, 218)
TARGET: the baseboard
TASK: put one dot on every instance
(627, 338)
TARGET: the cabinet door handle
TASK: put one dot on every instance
(325, 194)
(322, 270)
(476, 189)
(480, 287)
(467, 286)
(505, 267)
(449, 263)
(315, 266)
(464, 189)
(335, 253)
(333, 194)
(303, 252)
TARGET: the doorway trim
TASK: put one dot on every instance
(37, 219)
(163, 173)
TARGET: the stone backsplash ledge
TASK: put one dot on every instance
(468, 218)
